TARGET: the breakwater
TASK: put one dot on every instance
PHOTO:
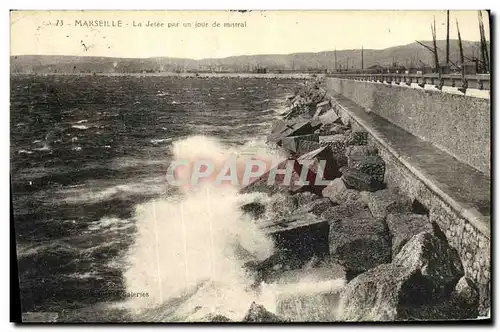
(402, 249)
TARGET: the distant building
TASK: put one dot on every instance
(376, 69)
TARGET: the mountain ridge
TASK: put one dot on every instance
(405, 55)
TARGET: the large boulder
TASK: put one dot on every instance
(337, 143)
(321, 166)
(425, 269)
(298, 127)
(372, 165)
(359, 243)
(334, 190)
(383, 202)
(329, 118)
(291, 143)
(322, 107)
(403, 226)
(301, 235)
(258, 314)
(435, 259)
(355, 179)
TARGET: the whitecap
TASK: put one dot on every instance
(45, 147)
(174, 102)
(24, 151)
(160, 140)
(111, 223)
(77, 148)
(81, 127)
(82, 121)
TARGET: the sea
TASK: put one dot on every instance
(101, 236)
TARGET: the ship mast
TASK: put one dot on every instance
(447, 37)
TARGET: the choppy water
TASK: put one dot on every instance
(95, 219)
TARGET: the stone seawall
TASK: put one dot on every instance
(459, 125)
(397, 226)
(469, 238)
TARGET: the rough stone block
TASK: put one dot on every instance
(330, 171)
(385, 201)
(417, 276)
(291, 143)
(300, 235)
(355, 179)
(334, 190)
(359, 243)
(403, 226)
(371, 165)
(337, 143)
(322, 107)
(291, 128)
(330, 117)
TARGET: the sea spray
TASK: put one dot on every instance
(191, 248)
(200, 240)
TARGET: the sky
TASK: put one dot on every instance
(265, 32)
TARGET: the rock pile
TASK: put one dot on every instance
(399, 266)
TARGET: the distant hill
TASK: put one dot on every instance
(403, 55)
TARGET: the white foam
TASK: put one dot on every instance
(92, 193)
(81, 127)
(196, 237)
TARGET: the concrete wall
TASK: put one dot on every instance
(457, 124)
